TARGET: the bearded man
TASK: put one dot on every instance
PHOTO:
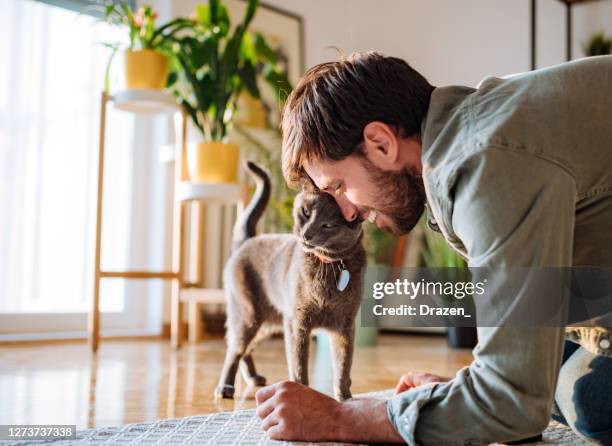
(515, 173)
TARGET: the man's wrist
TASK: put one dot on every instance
(365, 420)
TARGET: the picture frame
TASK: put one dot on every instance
(284, 32)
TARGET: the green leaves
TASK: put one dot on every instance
(262, 49)
(142, 31)
(271, 71)
(199, 52)
(248, 76)
(598, 45)
(248, 52)
(164, 34)
(114, 47)
(250, 13)
(438, 252)
(278, 81)
(218, 64)
(213, 17)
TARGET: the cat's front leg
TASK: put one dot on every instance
(342, 342)
(300, 344)
(288, 338)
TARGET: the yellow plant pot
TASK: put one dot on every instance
(146, 69)
(251, 112)
(213, 162)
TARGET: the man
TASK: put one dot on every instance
(517, 172)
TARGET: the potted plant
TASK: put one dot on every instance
(146, 57)
(214, 66)
(598, 45)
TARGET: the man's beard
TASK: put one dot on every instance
(400, 196)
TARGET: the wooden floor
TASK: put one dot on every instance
(136, 381)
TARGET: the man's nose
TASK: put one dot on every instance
(349, 210)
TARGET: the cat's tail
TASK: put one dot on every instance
(246, 224)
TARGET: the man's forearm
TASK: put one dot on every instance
(366, 420)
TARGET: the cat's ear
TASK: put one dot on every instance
(307, 185)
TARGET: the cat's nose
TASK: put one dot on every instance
(307, 236)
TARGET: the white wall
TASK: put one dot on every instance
(448, 41)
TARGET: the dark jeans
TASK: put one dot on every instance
(583, 400)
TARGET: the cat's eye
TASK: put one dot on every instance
(305, 212)
(327, 225)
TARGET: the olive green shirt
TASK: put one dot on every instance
(518, 172)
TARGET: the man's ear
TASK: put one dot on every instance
(381, 145)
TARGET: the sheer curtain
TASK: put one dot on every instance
(51, 77)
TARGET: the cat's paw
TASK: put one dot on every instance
(343, 396)
(225, 391)
(258, 380)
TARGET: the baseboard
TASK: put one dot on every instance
(20, 338)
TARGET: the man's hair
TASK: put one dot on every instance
(326, 113)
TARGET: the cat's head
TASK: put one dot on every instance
(319, 223)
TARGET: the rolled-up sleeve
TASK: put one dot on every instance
(510, 210)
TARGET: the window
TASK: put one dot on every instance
(88, 6)
(50, 83)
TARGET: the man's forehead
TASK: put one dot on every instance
(321, 173)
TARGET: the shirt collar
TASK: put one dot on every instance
(443, 105)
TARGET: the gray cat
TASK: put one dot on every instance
(293, 283)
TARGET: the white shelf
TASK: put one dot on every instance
(145, 101)
(225, 193)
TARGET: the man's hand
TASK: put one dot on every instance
(292, 411)
(412, 379)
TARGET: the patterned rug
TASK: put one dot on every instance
(240, 427)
